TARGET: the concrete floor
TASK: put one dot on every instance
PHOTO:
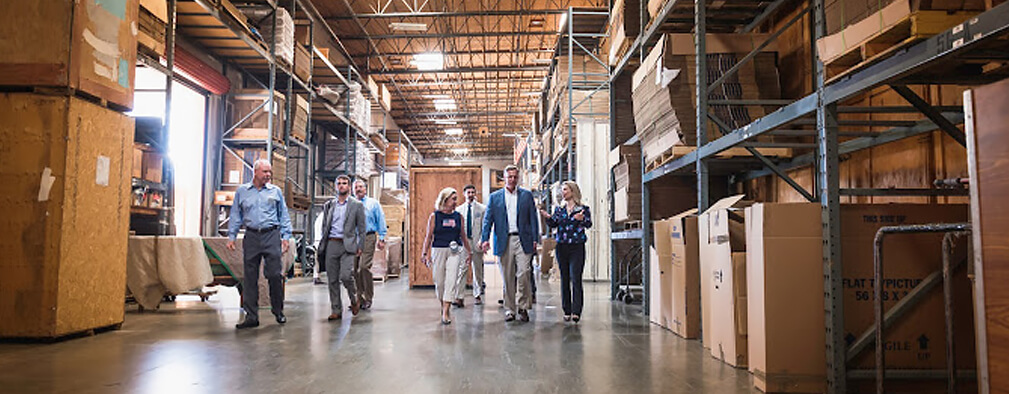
(397, 347)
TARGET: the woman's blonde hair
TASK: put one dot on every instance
(576, 193)
(442, 196)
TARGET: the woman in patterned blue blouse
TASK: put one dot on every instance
(571, 219)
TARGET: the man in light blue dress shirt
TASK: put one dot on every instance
(259, 207)
(374, 237)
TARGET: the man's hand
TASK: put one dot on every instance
(285, 245)
(359, 252)
(231, 246)
(380, 244)
(485, 246)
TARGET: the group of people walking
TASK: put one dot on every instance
(511, 216)
(457, 237)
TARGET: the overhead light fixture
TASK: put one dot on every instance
(459, 151)
(537, 22)
(543, 61)
(560, 24)
(446, 121)
(436, 96)
(455, 131)
(395, 61)
(510, 135)
(403, 26)
(429, 61)
(455, 163)
(444, 105)
(536, 93)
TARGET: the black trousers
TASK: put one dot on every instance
(262, 247)
(571, 262)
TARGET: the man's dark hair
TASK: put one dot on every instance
(468, 187)
(344, 177)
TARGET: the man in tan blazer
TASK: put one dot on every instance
(472, 213)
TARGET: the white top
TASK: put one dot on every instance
(512, 203)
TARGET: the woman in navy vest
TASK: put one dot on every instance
(444, 247)
(571, 219)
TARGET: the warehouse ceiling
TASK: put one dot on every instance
(474, 65)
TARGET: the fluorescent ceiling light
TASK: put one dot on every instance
(444, 104)
(459, 151)
(543, 61)
(455, 163)
(455, 131)
(429, 61)
(436, 96)
(402, 26)
(446, 121)
(537, 22)
(560, 24)
(509, 135)
(537, 93)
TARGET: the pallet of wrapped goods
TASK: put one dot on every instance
(64, 237)
(283, 34)
(247, 101)
(664, 88)
(87, 46)
(299, 125)
(897, 25)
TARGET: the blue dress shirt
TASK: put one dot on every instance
(374, 217)
(259, 208)
(339, 218)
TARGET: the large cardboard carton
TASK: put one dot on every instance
(784, 275)
(723, 279)
(685, 281)
(654, 309)
(664, 294)
(785, 291)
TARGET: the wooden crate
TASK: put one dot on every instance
(425, 184)
(64, 239)
(85, 45)
(246, 101)
(151, 31)
(395, 216)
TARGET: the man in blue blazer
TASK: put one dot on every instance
(512, 215)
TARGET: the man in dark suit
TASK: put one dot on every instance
(344, 226)
(512, 216)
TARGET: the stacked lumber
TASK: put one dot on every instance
(664, 88)
(299, 125)
(151, 23)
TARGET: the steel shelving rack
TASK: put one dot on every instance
(950, 57)
(583, 30)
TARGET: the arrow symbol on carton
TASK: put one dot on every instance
(923, 342)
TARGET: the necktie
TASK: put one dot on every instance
(469, 220)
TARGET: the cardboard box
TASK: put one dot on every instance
(86, 45)
(302, 63)
(722, 249)
(224, 197)
(685, 282)
(663, 295)
(785, 291)
(784, 274)
(654, 278)
(547, 254)
(153, 164)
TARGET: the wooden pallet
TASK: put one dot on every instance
(64, 91)
(912, 29)
(678, 151)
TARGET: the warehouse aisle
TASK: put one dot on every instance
(398, 347)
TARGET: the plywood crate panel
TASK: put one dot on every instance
(64, 269)
(425, 184)
(87, 45)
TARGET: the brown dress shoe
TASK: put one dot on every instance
(355, 308)
(335, 316)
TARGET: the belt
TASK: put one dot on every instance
(260, 230)
(336, 239)
(370, 233)
(511, 234)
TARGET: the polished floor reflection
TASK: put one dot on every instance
(397, 347)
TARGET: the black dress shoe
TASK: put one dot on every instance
(281, 319)
(247, 324)
(523, 315)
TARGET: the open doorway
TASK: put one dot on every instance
(184, 142)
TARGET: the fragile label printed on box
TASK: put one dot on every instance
(234, 176)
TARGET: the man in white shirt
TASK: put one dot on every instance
(472, 212)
